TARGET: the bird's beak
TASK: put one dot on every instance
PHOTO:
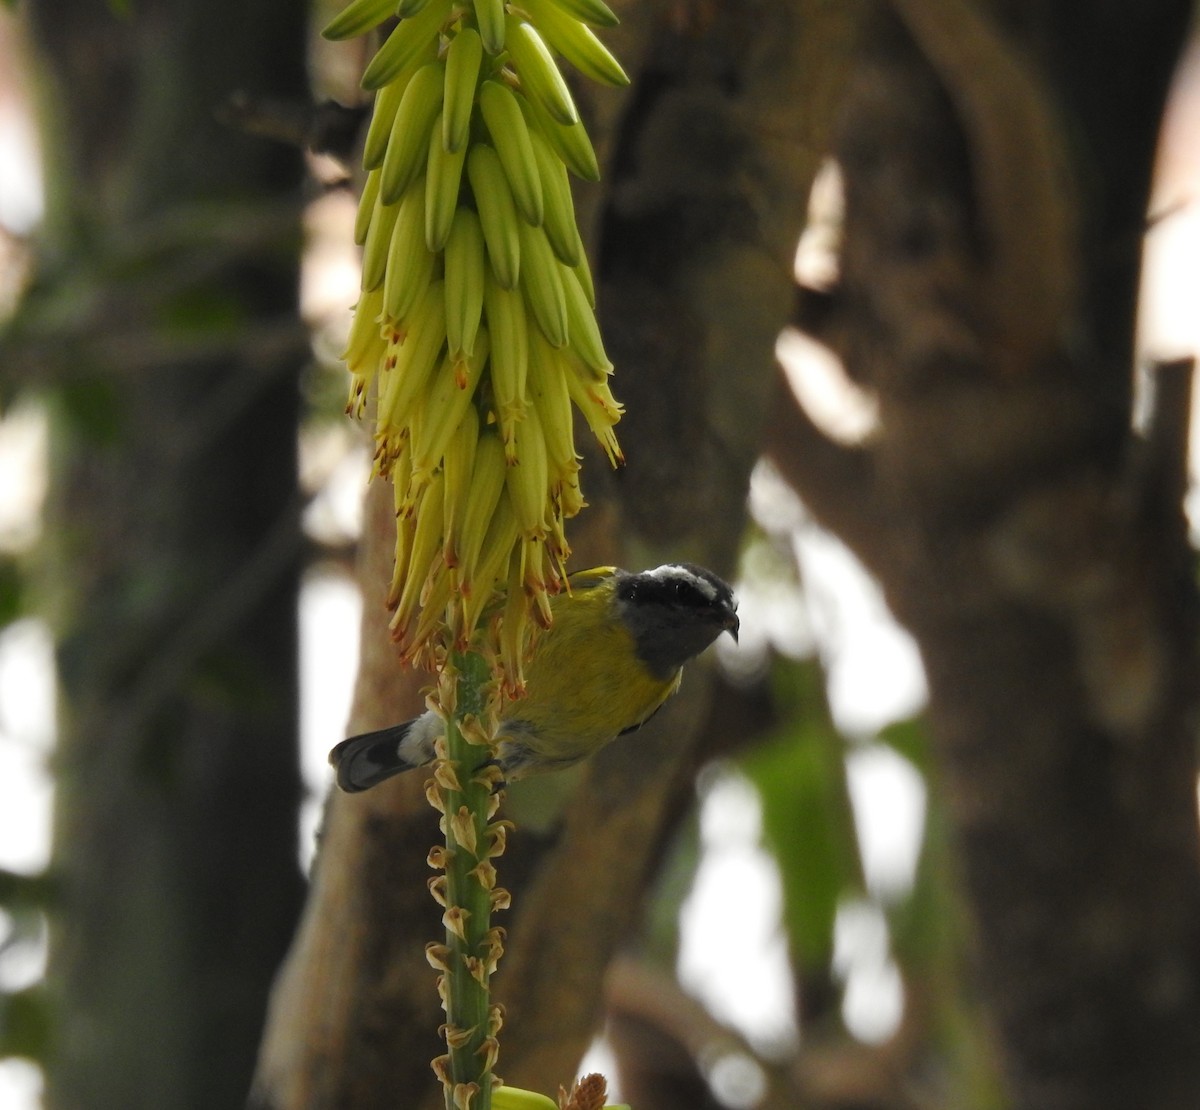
(732, 624)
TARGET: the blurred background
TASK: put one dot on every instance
(823, 911)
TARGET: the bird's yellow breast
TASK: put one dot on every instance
(585, 683)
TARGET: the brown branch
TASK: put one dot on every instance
(325, 128)
(667, 1040)
(1026, 200)
(822, 315)
(356, 983)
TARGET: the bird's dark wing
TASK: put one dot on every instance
(363, 761)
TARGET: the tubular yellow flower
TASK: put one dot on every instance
(473, 337)
(458, 466)
(527, 476)
(505, 312)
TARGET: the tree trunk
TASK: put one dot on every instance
(997, 163)
(165, 326)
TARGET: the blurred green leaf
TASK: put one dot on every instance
(23, 1014)
(203, 310)
(20, 892)
(11, 592)
(909, 739)
(25, 1023)
(324, 391)
(92, 408)
(927, 923)
(807, 821)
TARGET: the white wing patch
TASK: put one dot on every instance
(416, 748)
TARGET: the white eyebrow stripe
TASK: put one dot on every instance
(671, 571)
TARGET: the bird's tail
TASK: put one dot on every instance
(363, 761)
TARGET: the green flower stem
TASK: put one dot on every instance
(469, 894)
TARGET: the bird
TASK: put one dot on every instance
(612, 656)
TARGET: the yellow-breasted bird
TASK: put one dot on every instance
(613, 655)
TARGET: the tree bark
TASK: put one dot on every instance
(1033, 543)
(165, 328)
